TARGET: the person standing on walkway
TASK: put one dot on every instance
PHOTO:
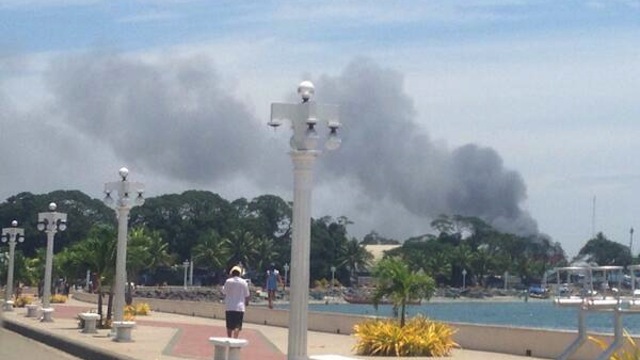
(236, 298)
(273, 279)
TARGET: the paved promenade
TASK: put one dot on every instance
(170, 336)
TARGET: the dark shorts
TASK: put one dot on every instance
(234, 319)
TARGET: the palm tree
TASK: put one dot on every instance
(461, 258)
(147, 251)
(159, 254)
(438, 265)
(354, 257)
(98, 253)
(266, 247)
(395, 280)
(137, 252)
(210, 251)
(482, 262)
(241, 246)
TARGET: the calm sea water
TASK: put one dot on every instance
(532, 314)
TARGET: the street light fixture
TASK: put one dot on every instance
(122, 205)
(304, 149)
(50, 222)
(333, 278)
(191, 273)
(464, 278)
(185, 264)
(12, 235)
(286, 274)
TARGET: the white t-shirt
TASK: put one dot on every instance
(236, 291)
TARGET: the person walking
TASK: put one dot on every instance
(273, 279)
(236, 299)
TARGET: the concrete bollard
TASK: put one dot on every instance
(227, 348)
(90, 320)
(123, 330)
(32, 310)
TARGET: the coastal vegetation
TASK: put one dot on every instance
(23, 300)
(419, 337)
(58, 299)
(394, 280)
(630, 351)
(214, 233)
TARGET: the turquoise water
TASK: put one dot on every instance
(533, 314)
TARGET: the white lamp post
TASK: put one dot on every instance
(333, 278)
(12, 235)
(631, 241)
(464, 278)
(88, 281)
(191, 273)
(122, 205)
(506, 280)
(50, 222)
(304, 150)
(186, 268)
(286, 274)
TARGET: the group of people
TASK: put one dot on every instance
(237, 295)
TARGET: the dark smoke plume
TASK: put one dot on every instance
(177, 118)
(390, 156)
(174, 117)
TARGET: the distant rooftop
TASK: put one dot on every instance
(378, 250)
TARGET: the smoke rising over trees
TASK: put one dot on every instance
(177, 119)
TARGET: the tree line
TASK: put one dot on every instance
(216, 233)
(198, 226)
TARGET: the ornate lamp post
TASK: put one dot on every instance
(286, 274)
(333, 278)
(186, 268)
(464, 278)
(191, 273)
(122, 205)
(304, 150)
(12, 235)
(50, 222)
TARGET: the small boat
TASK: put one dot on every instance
(538, 292)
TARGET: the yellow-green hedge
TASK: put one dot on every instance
(23, 301)
(58, 299)
(419, 337)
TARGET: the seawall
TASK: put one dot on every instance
(493, 338)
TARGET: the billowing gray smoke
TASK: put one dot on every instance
(173, 117)
(392, 157)
(178, 119)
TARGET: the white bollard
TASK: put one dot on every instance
(123, 330)
(90, 320)
(227, 348)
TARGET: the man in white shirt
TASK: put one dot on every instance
(236, 299)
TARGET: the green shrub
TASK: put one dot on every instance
(419, 337)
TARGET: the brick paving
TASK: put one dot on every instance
(191, 341)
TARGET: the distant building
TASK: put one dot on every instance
(364, 277)
(378, 250)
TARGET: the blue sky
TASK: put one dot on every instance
(551, 86)
(51, 25)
